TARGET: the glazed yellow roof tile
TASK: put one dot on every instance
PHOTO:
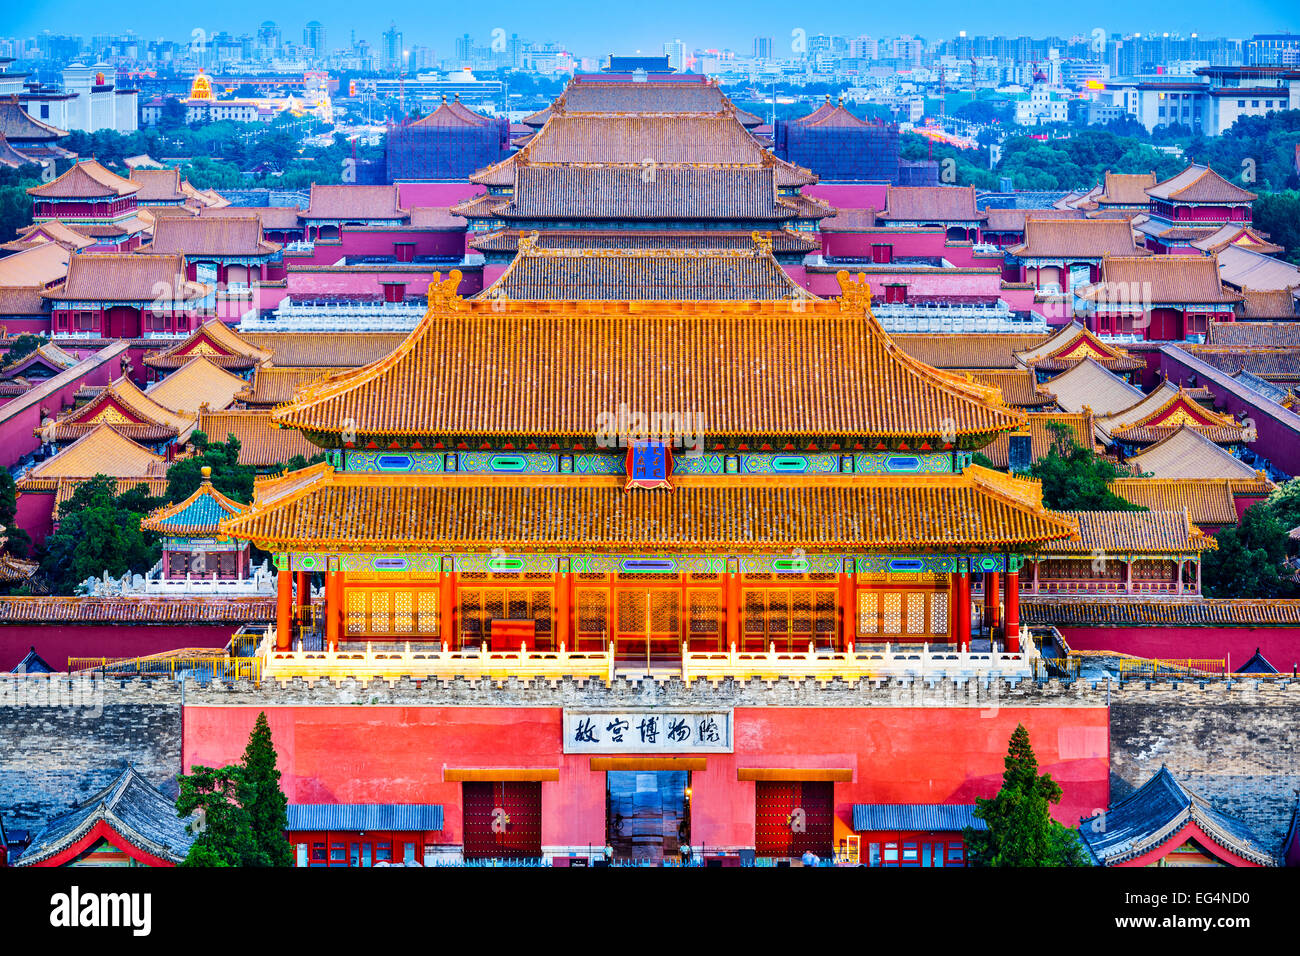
(101, 451)
(1123, 532)
(261, 444)
(273, 385)
(1186, 453)
(195, 384)
(1019, 386)
(216, 342)
(1071, 345)
(1041, 436)
(124, 406)
(1206, 500)
(801, 369)
(334, 510)
(1162, 413)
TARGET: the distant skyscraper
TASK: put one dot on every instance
(676, 52)
(762, 48)
(268, 38)
(392, 48)
(313, 35)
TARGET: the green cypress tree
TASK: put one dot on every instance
(224, 832)
(1021, 831)
(260, 793)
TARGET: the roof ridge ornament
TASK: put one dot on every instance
(443, 293)
(763, 242)
(855, 292)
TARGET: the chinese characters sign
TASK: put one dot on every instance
(654, 731)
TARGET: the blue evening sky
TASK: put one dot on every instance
(594, 29)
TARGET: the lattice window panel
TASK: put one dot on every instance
(402, 617)
(916, 613)
(427, 612)
(379, 620)
(540, 611)
(665, 612)
(868, 623)
(471, 613)
(357, 612)
(824, 608)
(705, 613)
(778, 613)
(801, 612)
(593, 612)
(939, 612)
(754, 612)
(892, 604)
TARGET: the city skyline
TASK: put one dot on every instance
(717, 28)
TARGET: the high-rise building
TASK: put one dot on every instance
(678, 58)
(762, 48)
(313, 35)
(392, 48)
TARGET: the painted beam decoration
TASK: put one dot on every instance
(650, 730)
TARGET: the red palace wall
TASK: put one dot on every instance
(850, 195)
(57, 642)
(1281, 645)
(436, 195)
(906, 755)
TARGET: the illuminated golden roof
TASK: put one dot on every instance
(321, 508)
(127, 409)
(195, 384)
(806, 371)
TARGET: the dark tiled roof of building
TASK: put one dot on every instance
(1174, 279)
(1274, 364)
(86, 179)
(643, 192)
(127, 277)
(18, 125)
(920, 817)
(352, 817)
(1158, 811)
(644, 274)
(1199, 184)
(1272, 304)
(91, 610)
(1160, 611)
(454, 114)
(932, 203)
(354, 202)
(224, 236)
(132, 807)
(1076, 238)
(775, 353)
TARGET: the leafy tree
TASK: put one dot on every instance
(228, 476)
(259, 792)
(1284, 502)
(1278, 215)
(1076, 478)
(22, 347)
(299, 462)
(225, 835)
(16, 541)
(1248, 562)
(99, 531)
(1021, 831)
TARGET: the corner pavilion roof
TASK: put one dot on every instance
(319, 508)
(199, 514)
(215, 341)
(86, 180)
(797, 372)
(1071, 345)
(1199, 184)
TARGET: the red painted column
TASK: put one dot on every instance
(990, 600)
(848, 611)
(961, 607)
(1012, 628)
(303, 591)
(447, 607)
(563, 616)
(733, 610)
(333, 608)
(283, 603)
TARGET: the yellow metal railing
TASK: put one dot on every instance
(1136, 667)
(201, 668)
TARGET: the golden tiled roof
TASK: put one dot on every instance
(353, 202)
(195, 384)
(927, 203)
(36, 266)
(1041, 437)
(215, 341)
(127, 409)
(48, 231)
(1019, 386)
(211, 236)
(1071, 345)
(330, 350)
(988, 350)
(87, 179)
(1089, 385)
(261, 444)
(1162, 413)
(1123, 532)
(65, 488)
(158, 185)
(1126, 189)
(1161, 279)
(805, 371)
(128, 277)
(1206, 500)
(103, 450)
(1199, 184)
(274, 385)
(14, 570)
(1186, 453)
(337, 510)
